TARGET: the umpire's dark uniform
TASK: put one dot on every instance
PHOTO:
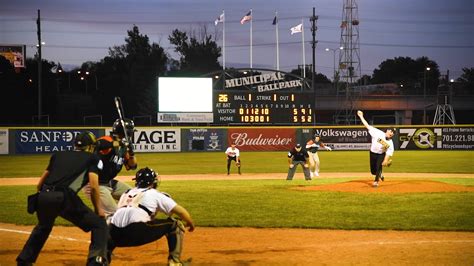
(298, 155)
(66, 174)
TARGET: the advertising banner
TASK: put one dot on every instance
(14, 53)
(185, 117)
(157, 140)
(436, 138)
(204, 139)
(262, 139)
(341, 138)
(28, 141)
(3, 141)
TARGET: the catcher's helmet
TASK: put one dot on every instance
(146, 177)
(117, 127)
(84, 139)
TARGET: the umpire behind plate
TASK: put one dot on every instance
(66, 174)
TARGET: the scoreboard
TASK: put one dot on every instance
(263, 108)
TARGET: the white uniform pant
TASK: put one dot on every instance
(314, 162)
(109, 195)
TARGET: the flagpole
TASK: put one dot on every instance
(278, 51)
(223, 41)
(302, 43)
(251, 25)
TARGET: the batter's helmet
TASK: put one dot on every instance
(84, 139)
(117, 127)
(146, 177)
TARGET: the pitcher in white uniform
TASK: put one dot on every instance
(381, 148)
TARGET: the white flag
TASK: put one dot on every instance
(219, 19)
(297, 29)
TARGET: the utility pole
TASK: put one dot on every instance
(313, 19)
(314, 28)
(38, 23)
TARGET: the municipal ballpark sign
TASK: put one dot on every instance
(264, 82)
(262, 97)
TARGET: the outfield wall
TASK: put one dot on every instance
(200, 139)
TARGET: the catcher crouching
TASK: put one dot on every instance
(134, 222)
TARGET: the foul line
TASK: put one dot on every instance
(50, 236)
(345, 244)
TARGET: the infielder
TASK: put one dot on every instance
(134, 222)
(381, 149)
(298, 155)
(233, 154)
(312, 146)
(66, 174)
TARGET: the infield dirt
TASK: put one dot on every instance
(252, 246)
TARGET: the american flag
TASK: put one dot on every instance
(246, 18)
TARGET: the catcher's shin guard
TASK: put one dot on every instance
(175, 241)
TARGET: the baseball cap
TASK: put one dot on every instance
(298, 145)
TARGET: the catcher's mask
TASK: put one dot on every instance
(146, 177)
(117, 127)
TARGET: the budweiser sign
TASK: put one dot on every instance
(262, 139)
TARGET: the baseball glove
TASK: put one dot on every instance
(389, 162)
(237, 164)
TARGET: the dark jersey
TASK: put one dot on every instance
(298, 155)
(113, 158)
(71, 169)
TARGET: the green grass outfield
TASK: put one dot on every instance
(272, 203)
(264, 162)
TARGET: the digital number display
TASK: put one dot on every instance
(263, 108)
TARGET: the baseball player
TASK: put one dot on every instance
(312, 146)
(115, 152)
(381, 149)
(66, 174)
(233, 154)
(298, 155)
(134, 222)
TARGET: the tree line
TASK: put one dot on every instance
(130, 71)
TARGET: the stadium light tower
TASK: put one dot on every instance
(349, 61)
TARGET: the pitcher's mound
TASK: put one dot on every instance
(398, 186)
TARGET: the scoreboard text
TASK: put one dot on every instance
(282, 108)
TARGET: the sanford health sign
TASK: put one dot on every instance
(29, 141)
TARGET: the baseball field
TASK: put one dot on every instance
(421, 214)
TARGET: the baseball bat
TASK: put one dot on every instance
(121, 114)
